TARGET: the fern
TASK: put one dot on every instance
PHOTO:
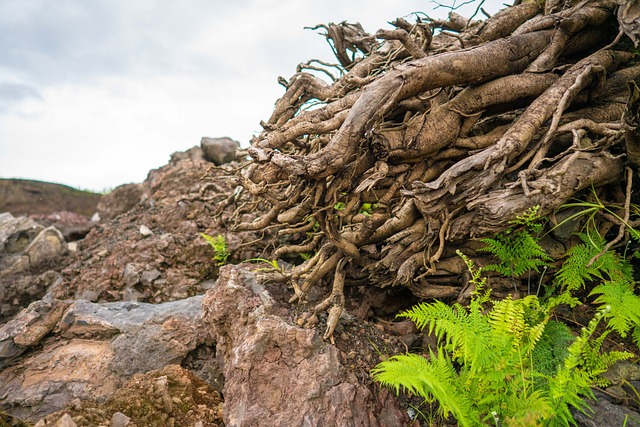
(501, 361)
(219, 245)
(435, 378)
(579, 372)
(576, 271)
(615, 277)
(624, 305)
(551, 348)
(516, 248)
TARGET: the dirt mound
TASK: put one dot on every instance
(28, 197)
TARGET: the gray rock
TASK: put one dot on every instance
(28, 328)
(219, 150)
(622, 371)
(90, 350)
(15, 236)
(607, 414)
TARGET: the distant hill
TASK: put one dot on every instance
(23, 196)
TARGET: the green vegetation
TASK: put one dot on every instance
(219, 245)
(502, 361)
(517, 247)
(509, 362)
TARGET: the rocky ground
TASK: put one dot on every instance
(131, 323)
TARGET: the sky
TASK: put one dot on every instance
(95, 93)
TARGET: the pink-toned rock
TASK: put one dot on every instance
(279, 374)
(87, 351)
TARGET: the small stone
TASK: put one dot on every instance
(145, 231)
(119, 420)
(219, 150)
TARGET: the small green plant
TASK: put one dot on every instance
(367, 208)
(501, 362)
(517, 247)
(219, 245)
(591, 262)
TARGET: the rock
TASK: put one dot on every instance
(193, 153)
(119, 201)
(119, 420)
(64, 421)
(72, 225)
(277, 373)
(48, 245)
(90, 350)
(219, 150)
(15, 236)
(19, 290)
(27, 329)
(606, 414)
(622, 371)
(171, 396)
(145, 231)
(24, 244)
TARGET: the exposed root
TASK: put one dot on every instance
(420, 140)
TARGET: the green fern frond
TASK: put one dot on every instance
(507, 318)
(435, 378)
(528, 411)
(625, 305)
(516, 248)
(551, 348)
(505, 362)
(464, 333)
(575, 271)
(219, 245)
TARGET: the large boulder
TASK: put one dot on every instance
(27, 251)
(278, 373)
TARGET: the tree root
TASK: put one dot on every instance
(416, 146)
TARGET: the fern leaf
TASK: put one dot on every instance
(434, 378)
(575, 271)
(518, 252)
(624, 305)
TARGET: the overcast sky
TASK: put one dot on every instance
(95, 93)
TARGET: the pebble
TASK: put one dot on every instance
(119, 420)
(145, 231)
